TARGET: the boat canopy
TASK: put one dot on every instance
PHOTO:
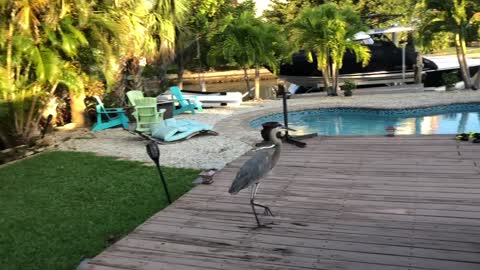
(393, 29)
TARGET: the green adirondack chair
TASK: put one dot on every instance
(146, 113)
(132, 95)
(185, 104)
(109, 117)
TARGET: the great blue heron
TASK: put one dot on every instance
(257, 167)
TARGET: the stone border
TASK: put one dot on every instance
(21, 152)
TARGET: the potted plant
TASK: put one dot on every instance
(348, 87)
(450, 79)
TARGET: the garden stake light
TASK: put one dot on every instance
(154, 153)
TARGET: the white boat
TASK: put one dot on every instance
(215, 99)
(389, 64)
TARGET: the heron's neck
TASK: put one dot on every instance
(276, 153)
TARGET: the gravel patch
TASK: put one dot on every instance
(236, 136)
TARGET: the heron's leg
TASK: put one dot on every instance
(267, 212)
(252, 203)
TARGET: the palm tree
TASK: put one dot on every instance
(347, 24)
(46, 50)
(271, 50)
(454, 16)
(40, 38)
(247, 42)
(327, 32)
(150, 31)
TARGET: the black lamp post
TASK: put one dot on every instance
(288, 138)
(154, 153)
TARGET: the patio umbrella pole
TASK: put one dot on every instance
(291, 139)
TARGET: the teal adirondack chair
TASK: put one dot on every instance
(109, 117)
(185, 104)
(146, 113)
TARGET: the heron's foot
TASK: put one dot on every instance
(268, 212)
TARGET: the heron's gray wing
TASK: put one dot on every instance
(254, 169)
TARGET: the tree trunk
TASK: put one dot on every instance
(131, 79)
(201, 74)
(328, 78)
(201, 78)
(77, 107)
(476, 80)
(257, 83)
(419, 68)
(28, 126)
(181, 70)
(10, 74)
(326, 82)
(4, 141)
(334, 79)
(245, 77)
(464, 52)
(459, 40)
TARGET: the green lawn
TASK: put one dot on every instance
(59, 207)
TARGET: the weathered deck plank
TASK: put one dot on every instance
(409, 202)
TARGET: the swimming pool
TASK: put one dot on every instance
(445, 119)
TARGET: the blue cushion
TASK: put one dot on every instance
(183, 128)
(177, 129)
(163, 132)
(170, 122)
(183, 135)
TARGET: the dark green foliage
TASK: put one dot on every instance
(284, 12)
(349, 86)
(384, 6)
(59, 207)
(454, 16)
(450, 79)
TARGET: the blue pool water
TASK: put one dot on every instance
(445, 119)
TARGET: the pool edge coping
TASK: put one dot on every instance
(238, 126)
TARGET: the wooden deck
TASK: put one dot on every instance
(341, 203)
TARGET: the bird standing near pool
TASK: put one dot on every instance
(256, 168)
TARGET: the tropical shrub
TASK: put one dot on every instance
(327, 31)
(450, 79)
(456, 17)
(48, 47)
(248, 42)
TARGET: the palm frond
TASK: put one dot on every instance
(47, 64)
(71, 78)
(3, 83)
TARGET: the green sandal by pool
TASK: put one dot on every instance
(474, 135)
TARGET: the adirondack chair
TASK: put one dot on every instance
(147, 114)
(132, 95)
(185, 104)
(109, 117)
